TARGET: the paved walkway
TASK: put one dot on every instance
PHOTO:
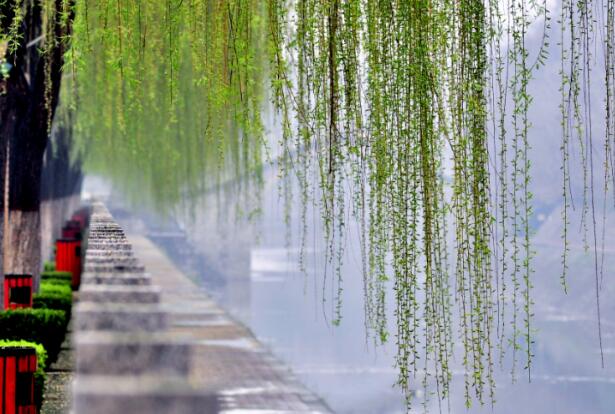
(57, 397)
(230, 363)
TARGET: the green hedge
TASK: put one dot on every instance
(49, 266)
(57, 282)
(58, 289)
(57, 275)
(39, 376)
(57, 278)
(53, 301)
(54, 294)
(44, 326)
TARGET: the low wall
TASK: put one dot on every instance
(126, 361)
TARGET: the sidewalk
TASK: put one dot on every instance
(57, 397)
(229, 363)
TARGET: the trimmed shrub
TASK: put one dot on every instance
(49, 267)
(56, 274)
(57, 282)
(56, 289)
(39, 376)
(44, 326)
(52, 300)
(60, 278)
(54, 294)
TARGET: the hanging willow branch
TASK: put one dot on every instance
(437, 74)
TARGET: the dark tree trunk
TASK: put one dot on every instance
(28, 98)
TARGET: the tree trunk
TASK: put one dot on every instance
(24, 241)
(28, 98)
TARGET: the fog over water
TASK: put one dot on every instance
(252, 268)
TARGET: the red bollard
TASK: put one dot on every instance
(71, 233)
(68, 258)
(17, 367)
(17, 291)
(82, 216)
(72, 229)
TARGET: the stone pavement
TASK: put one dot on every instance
(227, 363)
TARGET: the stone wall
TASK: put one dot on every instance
(126, 361)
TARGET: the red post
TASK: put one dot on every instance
(81, 217)
(72, 230)
(17, 367)
(17, 291)
(68, 258)
(71, 233)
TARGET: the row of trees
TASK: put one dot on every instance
(32, 50)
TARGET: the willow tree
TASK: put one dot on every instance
(410, 115)
(168, 92)
(33, 40)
